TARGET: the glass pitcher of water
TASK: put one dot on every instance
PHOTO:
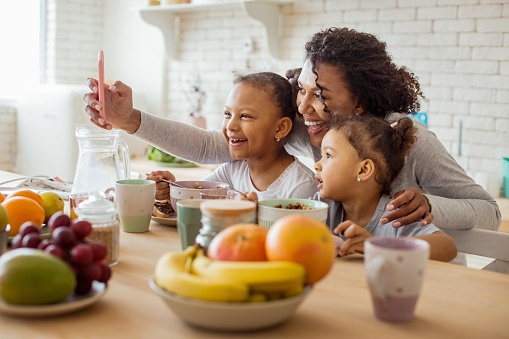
(98, 166)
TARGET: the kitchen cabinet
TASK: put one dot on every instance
(166, 18)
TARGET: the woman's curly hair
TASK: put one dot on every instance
(374, 138)
(374, 80)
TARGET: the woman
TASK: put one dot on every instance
(345, 72)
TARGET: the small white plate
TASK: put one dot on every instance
(171, 221)
(71, 304)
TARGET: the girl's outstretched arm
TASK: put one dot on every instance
(441, 246)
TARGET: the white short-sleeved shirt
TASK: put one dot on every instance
(297, 181)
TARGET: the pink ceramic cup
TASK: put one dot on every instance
(395, 271)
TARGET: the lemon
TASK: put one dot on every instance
(52, 203)
(33, 277)
(3, 218)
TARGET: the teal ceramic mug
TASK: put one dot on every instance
(188, 220)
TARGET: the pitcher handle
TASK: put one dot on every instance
(122, 145)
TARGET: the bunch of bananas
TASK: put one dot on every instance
(191, 274)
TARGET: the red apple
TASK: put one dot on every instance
(240, 242)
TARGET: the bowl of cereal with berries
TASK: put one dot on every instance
(272, 209)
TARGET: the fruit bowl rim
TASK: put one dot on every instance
(219, 304)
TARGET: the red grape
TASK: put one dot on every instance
(90, 272)
(81, 228)
(31, 240)
(44, 243)
(57, 220)
(82, 254)
(83, 287)
(105, 272)
(28, 227)
(99, 250)
(16, 241)
(56, 250)
(64, 236)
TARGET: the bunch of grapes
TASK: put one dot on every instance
(68, 243)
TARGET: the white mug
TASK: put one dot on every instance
(135, 202)
(395, 271)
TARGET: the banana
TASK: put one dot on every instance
(170, 274)
(284, 286)
(264, 276)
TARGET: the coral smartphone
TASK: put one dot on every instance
(101, 83)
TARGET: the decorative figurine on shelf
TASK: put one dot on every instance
(195, 97)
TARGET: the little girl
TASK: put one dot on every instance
(361, 156)
(258, 116)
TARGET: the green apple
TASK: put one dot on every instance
(52, 203)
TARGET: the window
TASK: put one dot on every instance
(20, 38)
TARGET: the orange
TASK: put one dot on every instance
(303, 240)
(2, 198)
(28, 194)
(21, 210)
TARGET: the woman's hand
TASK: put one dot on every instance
(162, 188)
(412, 207)
(119, 106)
(355, 237)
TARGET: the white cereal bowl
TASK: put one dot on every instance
(190, 191)
(268, 213)
(221, 316)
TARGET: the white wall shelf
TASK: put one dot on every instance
(165, 17)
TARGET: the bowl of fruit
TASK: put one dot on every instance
(65, 272)
(273, 209)
(228, 296)
(250, 278)
(180, 190)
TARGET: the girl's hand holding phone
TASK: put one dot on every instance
(355, 237)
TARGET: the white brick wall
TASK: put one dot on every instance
(459, 49)
(74, 35)
(7, 136)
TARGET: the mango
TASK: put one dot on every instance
(33, 277)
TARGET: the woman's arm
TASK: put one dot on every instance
(456, 200)
(183, 140)
(180, 139)
(441, 246)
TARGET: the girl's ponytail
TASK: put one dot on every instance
(404, 135)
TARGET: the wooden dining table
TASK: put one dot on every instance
(455, 302)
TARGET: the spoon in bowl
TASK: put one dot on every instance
(178, 185)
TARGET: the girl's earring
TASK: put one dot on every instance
(358, 179)
(278, 138)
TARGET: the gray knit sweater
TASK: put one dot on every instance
(457, 201)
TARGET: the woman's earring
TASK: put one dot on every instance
(358, 179)
(278, 138)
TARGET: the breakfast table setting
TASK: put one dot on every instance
(455, 301)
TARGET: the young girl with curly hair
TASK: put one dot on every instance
(257, 118)
(361, 156)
